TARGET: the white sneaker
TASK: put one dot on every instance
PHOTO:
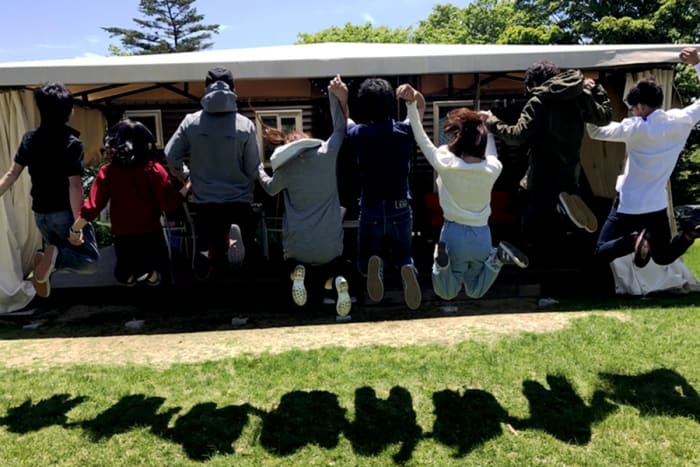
(411, 289)
(298, 288)
(375, 279)
(578, 212)
(236, 249)
(343, 304)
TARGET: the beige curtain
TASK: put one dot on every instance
(91, 125)
(19, 237)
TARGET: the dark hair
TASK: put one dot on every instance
(468, 133)
(129, 144)
(219, 74)
(55, 103)
(646, 91)
(540, 72)
(376, 99)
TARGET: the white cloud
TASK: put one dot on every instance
(368, 18)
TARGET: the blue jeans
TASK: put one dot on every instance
(620, 230)
(54, 228)
(472, 263)
(385, 230)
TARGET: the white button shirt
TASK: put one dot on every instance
(653, 145)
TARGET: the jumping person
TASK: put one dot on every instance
(312, 235)
(53, 154)
(383, 148)
(638, 221)
(138, 190)
(467, 169)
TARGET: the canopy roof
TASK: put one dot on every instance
(322, 60)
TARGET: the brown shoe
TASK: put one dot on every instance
(43, 289)
(411, 288)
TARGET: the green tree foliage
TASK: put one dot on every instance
(166, 26)
(358, 33)
(618, 21)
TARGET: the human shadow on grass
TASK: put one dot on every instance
(380, 423)
(660, 392)
(467, 421)
(28, 416)
(130, 412)
(303, 418)
(561, 412)
(207, 430)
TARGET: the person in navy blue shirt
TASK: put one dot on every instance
(383, 148)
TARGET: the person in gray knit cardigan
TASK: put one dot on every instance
(312, 230)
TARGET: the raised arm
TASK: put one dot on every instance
(413, 100)
(338, 100)
(689, 56)
(531, 118)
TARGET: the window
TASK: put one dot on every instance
(285, 120)
(152, 120)
(440, 111)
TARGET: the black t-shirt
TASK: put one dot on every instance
(51, 154)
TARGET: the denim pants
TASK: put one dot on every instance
(472, 263)
(385, 230)
(620, 231)
(55, 228)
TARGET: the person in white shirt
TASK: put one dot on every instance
(467, 168)
(638, 221)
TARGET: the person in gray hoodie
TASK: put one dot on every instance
(223, 167)
(312, 230)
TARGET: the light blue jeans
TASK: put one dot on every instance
(472, 264)
(55, 228)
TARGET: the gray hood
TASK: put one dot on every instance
(219, 98)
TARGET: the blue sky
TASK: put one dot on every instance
(55, 29)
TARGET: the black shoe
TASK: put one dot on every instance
(641, 258)
(509, 254)
(441, 257)
(689, 224)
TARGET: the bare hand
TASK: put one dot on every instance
(406, 92)
(689, 55)
(588, 84)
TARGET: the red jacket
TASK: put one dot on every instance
(137, 196)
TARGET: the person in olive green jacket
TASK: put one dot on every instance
(552, 126)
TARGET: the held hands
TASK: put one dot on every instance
(406, 92)
(75, 237)
(588, 84)
(485, 115)
(338, 88)
(689, 56)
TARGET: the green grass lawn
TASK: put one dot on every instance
(617, 388)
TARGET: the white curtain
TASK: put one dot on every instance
(630, 279)
(19, 237)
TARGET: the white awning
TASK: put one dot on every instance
(323, 60)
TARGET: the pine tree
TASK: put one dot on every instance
(167, 26)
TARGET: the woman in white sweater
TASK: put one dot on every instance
(467, 168)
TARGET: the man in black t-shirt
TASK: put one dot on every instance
(53, 154)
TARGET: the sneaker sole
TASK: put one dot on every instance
(236, 252)
(639, 260)
(344, 303)
(518, 256)
(375, 285)
(42, 289)
(411, 289)
(578, 212)
(298, 289)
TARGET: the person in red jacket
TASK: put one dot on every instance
(139, 190)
